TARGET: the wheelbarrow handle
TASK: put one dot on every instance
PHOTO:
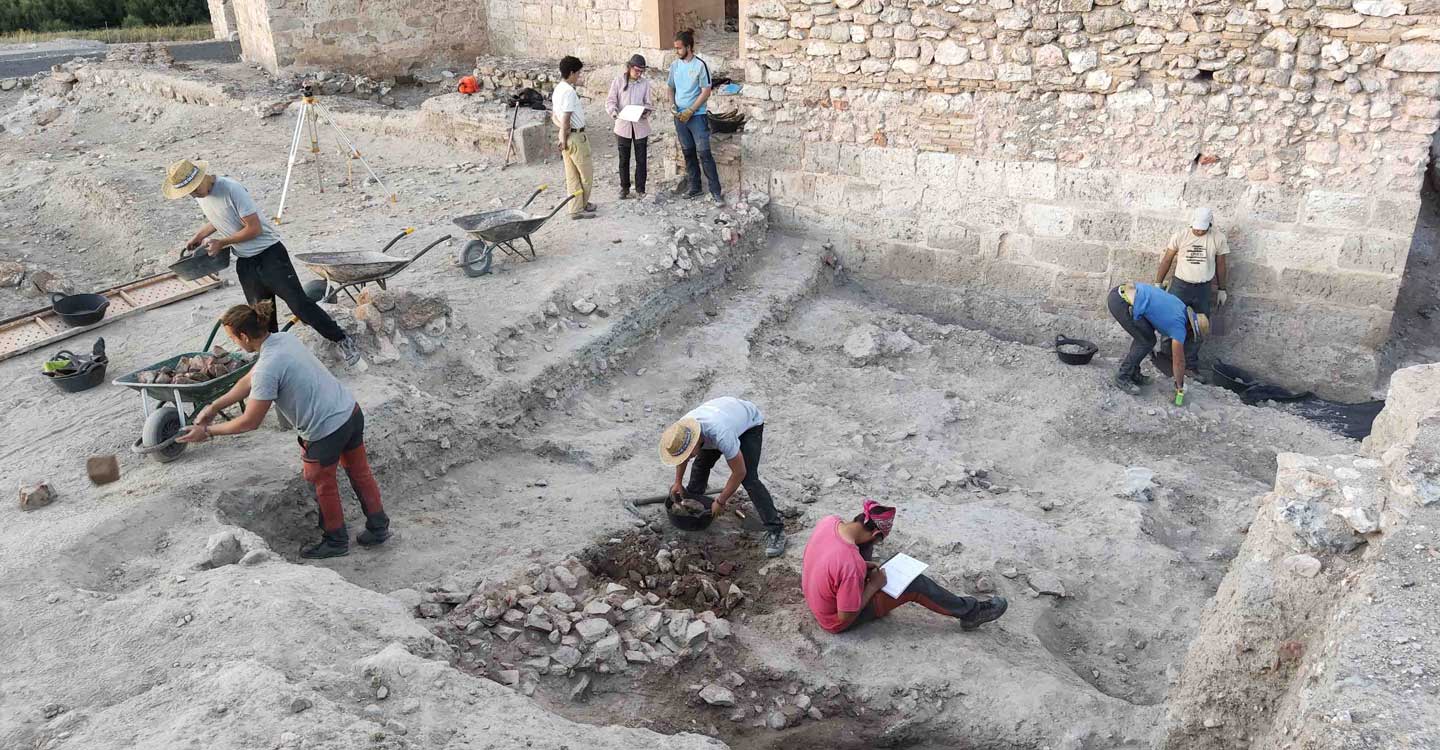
(416, 256)
(407, 231)
(534, 195)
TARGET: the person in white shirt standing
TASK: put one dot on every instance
(1197, 255)
(569, 116)
(262, 265)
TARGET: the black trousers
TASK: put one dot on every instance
(1197, 298)
(1141, 331)
(641, 145)
(750, 443)
(270, 275)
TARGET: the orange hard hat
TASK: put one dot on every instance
(469, 85)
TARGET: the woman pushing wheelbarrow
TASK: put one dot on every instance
(329, 423)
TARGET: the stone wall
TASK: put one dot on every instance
(1033, 154)
(380, 38)
(599, 32)
(252, 23)
(222, 18)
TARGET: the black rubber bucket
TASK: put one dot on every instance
(88, 377)
(691, 523)
(200, 263)
(79, 309)
(1075, 358)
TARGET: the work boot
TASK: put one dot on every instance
(625, 194)
(377, 530)
(332, 544)
(349, 350)
(774, 544)
(1124, 383)
(1140, 379)
(986, 611)
(693, 194)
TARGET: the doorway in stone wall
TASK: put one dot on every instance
(732, 16)
(1415, 329)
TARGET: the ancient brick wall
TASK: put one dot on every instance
(597, 31)
(1033, 154)
(379, 37)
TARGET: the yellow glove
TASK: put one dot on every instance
(685, 115)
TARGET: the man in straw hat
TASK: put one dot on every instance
(262, 264)
(843, 587)
(732, 428)
(1197, 255)
(1142, 309)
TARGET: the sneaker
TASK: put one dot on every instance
(625, 195)
(330, 545)
(640, 195)
(693, 194)
(1139, 379)
(349, 350)
(1126, 384)
(717, 199)
(589, 208)
(579, 216)
(986, 611)
(774, 544)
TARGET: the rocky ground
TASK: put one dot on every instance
(510, 416)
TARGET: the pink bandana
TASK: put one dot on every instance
(881, 516)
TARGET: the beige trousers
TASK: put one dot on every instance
(579, 172)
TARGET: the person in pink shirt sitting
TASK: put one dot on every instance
(631, 88)
(842, 586)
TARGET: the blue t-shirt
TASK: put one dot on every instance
(1164, 310)
(688, 77)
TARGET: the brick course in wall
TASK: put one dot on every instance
(1035, 154)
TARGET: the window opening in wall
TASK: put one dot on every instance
(732, 15)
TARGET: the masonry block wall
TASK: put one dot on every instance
(597, 31)
(375, 37)
(1026, 156)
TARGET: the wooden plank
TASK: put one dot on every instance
(128, 299)
(199, 286)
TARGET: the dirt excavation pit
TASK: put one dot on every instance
(520, 601)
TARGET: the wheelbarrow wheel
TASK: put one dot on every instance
(476, 257)
(161, 425)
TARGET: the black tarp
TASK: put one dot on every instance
(1351, 420)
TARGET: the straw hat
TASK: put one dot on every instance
(680, 441)
(1199, 322)
(182, 177)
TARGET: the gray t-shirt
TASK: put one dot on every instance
(302, 389)
(225, 207)
(723, 421)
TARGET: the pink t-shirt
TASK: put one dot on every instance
(832, 574)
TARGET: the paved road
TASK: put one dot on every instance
(20, 63)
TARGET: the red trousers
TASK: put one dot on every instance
(321, 458)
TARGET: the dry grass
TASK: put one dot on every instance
(197, 33)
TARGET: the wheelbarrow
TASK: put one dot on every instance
(501, 228)
(348, 270)
(169, 408)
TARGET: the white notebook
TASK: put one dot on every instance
(632, 112)
(900, 570)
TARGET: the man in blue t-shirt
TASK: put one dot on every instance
(1142, 309)
(690, 88)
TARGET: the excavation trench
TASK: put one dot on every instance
(480, 539)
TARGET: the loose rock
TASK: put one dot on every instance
(716, 695)
(36, 496)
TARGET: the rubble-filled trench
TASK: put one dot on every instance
(507, 437)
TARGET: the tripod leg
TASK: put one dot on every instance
(290, 162)
(315, 148)
(355, 152)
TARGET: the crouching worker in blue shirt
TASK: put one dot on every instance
(1142, 309)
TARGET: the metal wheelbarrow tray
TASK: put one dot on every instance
(343, 271)
(501, 228)
(176, 405)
